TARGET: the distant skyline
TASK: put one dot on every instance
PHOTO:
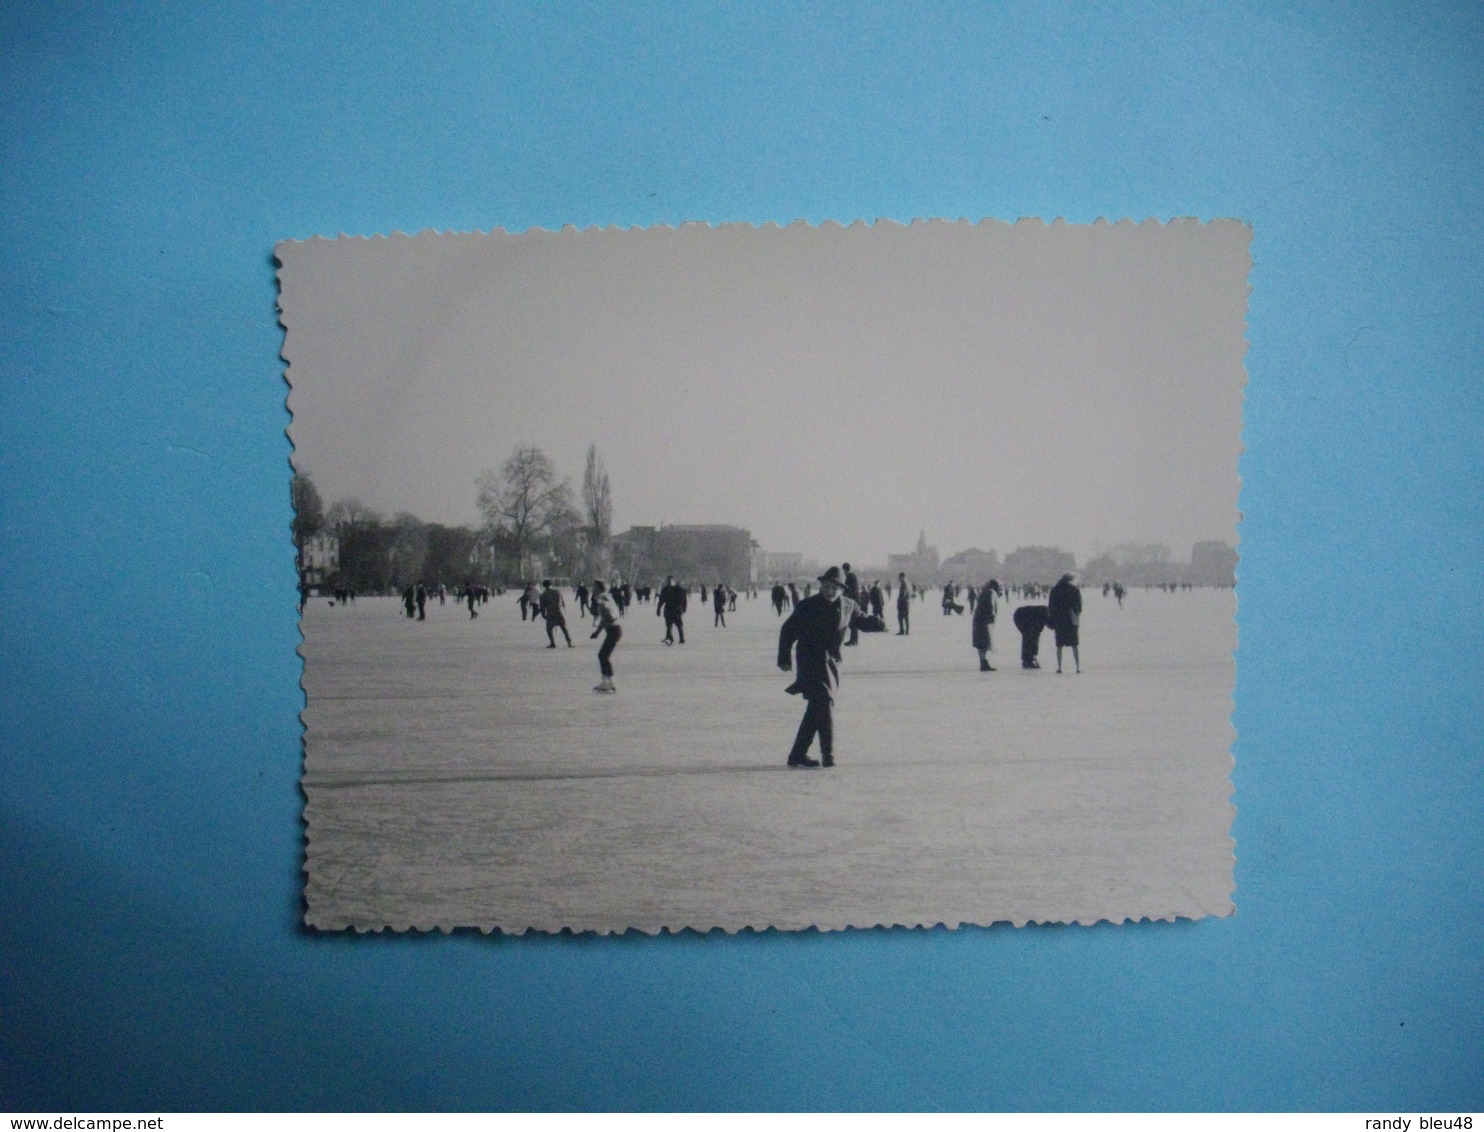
(832, 389)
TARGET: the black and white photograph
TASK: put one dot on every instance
(735, 577)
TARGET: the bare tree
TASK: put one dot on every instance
(526, 500)
(352, 513)
(568, 543)
(309, 509)
(597, 502)
(408, 550)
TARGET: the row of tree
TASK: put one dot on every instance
(1211, 563)
(532, 525)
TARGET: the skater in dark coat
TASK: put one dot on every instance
(984, 615)
(552, 609)
(950, 600)
(671, 605)
(904, 605)
(815, 631)
(1064, 605)
(1030, 620)
(719, 606)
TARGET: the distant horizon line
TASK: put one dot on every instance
(1079, 556)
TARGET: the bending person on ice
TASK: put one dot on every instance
(607, 620)
(817, 626)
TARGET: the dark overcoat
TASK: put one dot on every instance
(983, 618)
(672, 600)
(817, 626)
(1064, 605)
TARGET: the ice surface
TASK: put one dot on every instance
(459, 773)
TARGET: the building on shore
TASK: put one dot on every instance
(920, 566)
(1041, 565)
(971, 567)
(699, 553)
(319, 558)
(779, 565)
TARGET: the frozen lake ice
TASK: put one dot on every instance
(460, 773)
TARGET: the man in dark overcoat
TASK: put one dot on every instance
(815, 631)
(671, 604)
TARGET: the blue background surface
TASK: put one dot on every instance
(150, 836)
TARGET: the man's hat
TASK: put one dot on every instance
(832, 575)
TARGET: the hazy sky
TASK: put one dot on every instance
(832, 389)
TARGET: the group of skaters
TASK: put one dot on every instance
(415, 598)
(604, 604)
(674, 599)
(1061, 613)
(343, 595)
(820, 625)
(537, 605)
(857, 609)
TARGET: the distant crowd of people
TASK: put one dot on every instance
(817, 625)
(820, 625)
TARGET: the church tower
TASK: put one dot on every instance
(920, 566)
(926, 559)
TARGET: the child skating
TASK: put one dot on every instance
(607, 623)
